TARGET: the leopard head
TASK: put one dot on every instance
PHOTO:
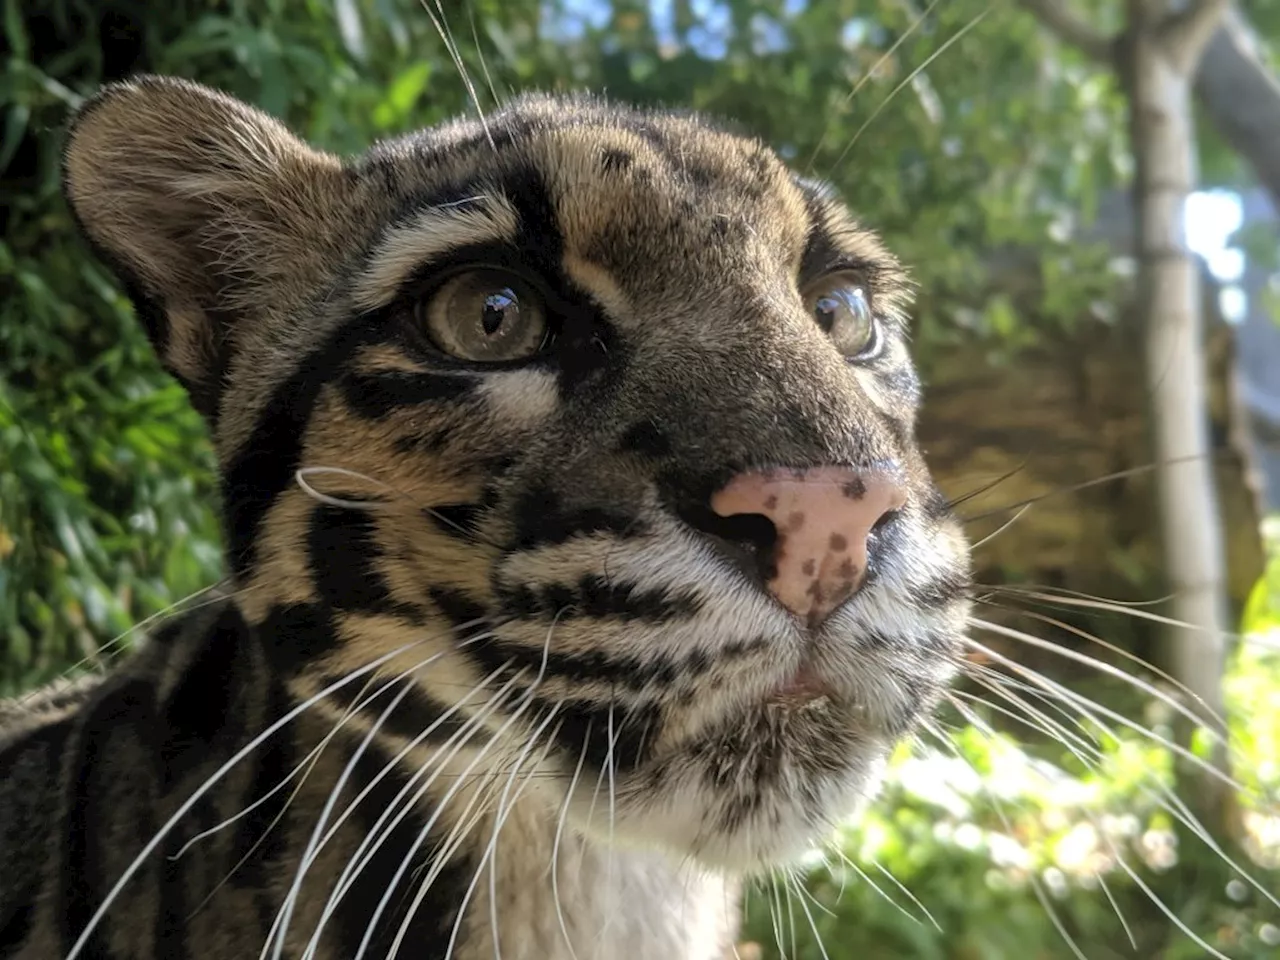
(594, 425)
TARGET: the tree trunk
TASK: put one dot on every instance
(1156, 57)
(1163, 141)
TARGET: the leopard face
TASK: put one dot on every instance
(595, 425)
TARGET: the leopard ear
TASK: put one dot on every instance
(203, 206)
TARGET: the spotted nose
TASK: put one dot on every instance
(823, 517)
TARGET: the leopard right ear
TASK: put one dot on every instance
(203, 206)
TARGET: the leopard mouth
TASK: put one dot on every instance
(804, 688)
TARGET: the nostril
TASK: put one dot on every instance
(887, 519)
(749, 539)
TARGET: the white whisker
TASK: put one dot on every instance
(208, 785)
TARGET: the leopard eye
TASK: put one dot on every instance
(841, 308)
(485, 316)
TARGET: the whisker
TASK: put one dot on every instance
(911, 896)
(425, 831)
(212, 781)
(1152, 896)
(309, 761)
(1132, 657)
(484, 66)
(954, 38)
(1095, 664)
(1002, 528)
(397, 810)
(817, 937)
(988, 486)
(1036, 886)
(442, 28)
(440, 807)
(555, 844)
(300, 477)
(309, 851)
(862, 875)
(1159, 793)
(490, 854)
(1087, 484)
(866, 78)
(1126, 609)
(1087, 707)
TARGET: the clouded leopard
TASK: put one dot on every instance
(581, 556)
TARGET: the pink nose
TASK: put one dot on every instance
(823, 517)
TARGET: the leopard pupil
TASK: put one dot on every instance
(496, 306)
(826, 312)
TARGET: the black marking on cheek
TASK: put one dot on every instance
(297, 633)
(541, 520)
(745, 648)
(519, 602)
(598, 597)
(596, 666)
(416, 712)
(202, 708)
(419, 712)
(376, 396)
(265, 465)
(559, 601)
(585, 729)
(343, 548)
(464, 612)
(645, 439)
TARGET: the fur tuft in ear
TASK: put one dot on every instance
(208, 209)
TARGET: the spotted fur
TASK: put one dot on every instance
(508, 669)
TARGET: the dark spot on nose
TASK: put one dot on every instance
(838, 543)
(808, 567)
(855, 489)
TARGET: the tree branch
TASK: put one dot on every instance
(1186, 34)
(1069, 27)
(1241, 97)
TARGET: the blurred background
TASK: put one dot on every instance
(992, 144)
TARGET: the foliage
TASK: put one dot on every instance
(980, 170)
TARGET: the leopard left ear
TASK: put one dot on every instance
(204, 206)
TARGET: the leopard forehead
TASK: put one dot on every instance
(644, 203)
